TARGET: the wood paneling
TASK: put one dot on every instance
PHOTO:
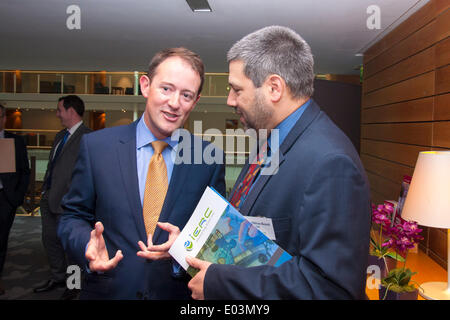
(423, 38)
(406, 104)
(409, 133)
(442, 53)
(438, 242)
(387, 169)
(414, 110)
(414, 88)
(388, 189)
(442, 107)
(414, 65)
(417, 20)
(396, 152)
(443, 80)
(441, 134)
(418, 41)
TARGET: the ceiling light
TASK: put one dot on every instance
(199, 5)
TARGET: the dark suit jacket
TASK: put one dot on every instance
(63, 166)
(319, 203)
(105, 188)
(15, 184)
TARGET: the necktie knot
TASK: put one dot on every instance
(159, 146)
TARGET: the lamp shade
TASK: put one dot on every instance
(428, 198)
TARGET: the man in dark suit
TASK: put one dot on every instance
(13, 187)
(318, 200)
(57, 179)
(112, 187)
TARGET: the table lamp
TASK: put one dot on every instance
(428, 203)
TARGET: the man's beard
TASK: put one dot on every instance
(259, 115)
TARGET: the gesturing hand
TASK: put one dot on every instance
(97, 254)
(159, 252)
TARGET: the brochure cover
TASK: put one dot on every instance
(218, 233)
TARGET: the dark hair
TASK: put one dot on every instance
(73, 101)
(187, 55)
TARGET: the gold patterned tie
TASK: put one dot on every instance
(155, 187)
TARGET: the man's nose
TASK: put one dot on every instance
(174, 100)
(231, 100)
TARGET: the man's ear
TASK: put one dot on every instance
(144, 81)
(276, 87)
(196, 100)
(72, 112)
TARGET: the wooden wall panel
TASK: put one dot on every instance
(442, 53)
(388, 189)
(423, 38)
(396, 152)
(406, 104)
(414, 65)
(443, 80)
(414, 88)
(414, 110)
(441, 134)
(418, 41)
(409, 133)
(442, 107)
(390, 170)
(417, 20)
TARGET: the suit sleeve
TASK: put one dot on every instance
(23, 171)
(332, 227)
(78, 205)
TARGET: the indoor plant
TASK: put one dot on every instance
(397, 284)
(381, 253)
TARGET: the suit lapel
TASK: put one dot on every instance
(71, 140)
(126, 152)
(304, 122)
(58, 138)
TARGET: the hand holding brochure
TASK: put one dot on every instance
(218, 233)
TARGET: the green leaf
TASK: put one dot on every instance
(395, 256)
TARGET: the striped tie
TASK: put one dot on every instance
(241, 192)
(155, 187)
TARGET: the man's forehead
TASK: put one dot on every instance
(236, 75)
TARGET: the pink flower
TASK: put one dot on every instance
(389, 243)
(404, 243)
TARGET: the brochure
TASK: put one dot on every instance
(218, 233)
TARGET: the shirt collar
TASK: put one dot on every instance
(74, 127)
(287, 124)
(144, 136)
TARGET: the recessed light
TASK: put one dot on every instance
(199, 5)
(359, 54)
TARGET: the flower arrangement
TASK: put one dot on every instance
(400, 236)
(379, 245)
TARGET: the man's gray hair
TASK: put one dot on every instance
(277, 50)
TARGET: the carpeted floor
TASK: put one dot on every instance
(26, 263)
